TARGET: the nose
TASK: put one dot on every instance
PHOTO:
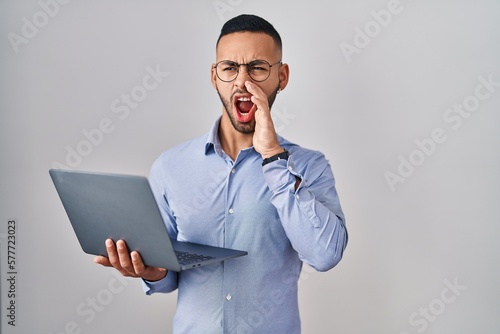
(242, 77)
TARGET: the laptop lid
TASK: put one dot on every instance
(101, 206)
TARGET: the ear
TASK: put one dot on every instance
(213, 76)
(283, 75)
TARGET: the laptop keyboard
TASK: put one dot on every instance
(188, 258)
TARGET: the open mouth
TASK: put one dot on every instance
(244, 108)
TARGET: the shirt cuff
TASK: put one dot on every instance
(166, 284)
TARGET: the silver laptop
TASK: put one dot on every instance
(102, 206)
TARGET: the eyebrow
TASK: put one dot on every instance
(250, 62)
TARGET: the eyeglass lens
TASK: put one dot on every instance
(258, 70)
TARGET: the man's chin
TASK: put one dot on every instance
(245, 128)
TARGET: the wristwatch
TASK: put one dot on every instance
(283, 155)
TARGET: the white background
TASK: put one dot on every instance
(408, 243)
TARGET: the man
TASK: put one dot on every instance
(244, 187)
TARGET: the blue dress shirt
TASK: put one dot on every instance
(206, 197)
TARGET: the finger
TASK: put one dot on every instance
(112, 254)
(254, 89)
(148, 273)
(258, 96)
(114, 258)
(102, 260)
(139, 266)
(124, 258)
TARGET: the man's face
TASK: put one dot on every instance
(243, 48)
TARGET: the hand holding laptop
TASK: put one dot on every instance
(105, 207)
(128, 264)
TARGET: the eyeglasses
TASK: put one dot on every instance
(258, 70)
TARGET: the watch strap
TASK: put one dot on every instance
(283, 155)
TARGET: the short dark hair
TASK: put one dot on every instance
(250, 23)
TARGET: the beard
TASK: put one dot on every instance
(245, 128)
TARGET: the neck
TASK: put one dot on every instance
(233, 141)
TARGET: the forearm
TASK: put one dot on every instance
(311, 214)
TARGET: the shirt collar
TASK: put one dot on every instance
(213, 142)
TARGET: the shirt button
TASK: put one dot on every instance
(290, 168)
(233, 170)
(297, 196)
(231, 211)
(228, 296)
